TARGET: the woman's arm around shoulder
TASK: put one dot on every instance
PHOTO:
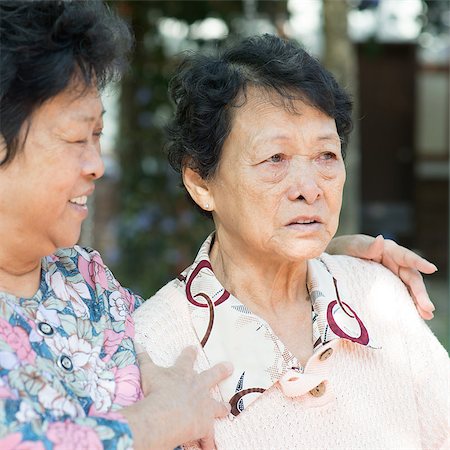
(402, 262)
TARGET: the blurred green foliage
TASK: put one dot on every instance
(159, 231)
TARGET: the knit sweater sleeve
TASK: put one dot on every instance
(392, 310)
(164, 318)
(431, 373)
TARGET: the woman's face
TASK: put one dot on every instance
(278, 189)
(45, 188)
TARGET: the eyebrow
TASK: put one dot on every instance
(84, 118)
(330, 137)
(326, 137)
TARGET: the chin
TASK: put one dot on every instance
(307, 249)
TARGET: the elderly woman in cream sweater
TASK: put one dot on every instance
(328, 351)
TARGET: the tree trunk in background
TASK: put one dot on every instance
(340, 58)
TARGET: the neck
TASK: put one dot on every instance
(20, 272)
(266, 286)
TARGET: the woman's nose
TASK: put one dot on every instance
(93, 165)
(304, 182)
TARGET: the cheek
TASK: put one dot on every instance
(237, 189)
(334, 194)
(272, 173)
(339, 180)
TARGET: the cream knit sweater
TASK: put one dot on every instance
(397, 397)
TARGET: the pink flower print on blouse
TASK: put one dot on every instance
(111, 343)
(59, 403)
(70, 291)
(129, 327)
(77, 348)
(128, 385)
(119, 306)
(17, 339)
(98, 382)
(97, 271)
(93, 270)
(100, 385)
(129, 298)
(79, 436)
(14, 442)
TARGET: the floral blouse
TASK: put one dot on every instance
(67, 361)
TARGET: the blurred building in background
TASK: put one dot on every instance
(392, 55)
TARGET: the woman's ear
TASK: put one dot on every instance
(198, 189)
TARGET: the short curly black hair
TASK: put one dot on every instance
(206, 88)
(43, 45)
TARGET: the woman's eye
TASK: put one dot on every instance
(276, 158)
(327, 156)
(96, 134)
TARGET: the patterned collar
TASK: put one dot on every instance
(229, 331)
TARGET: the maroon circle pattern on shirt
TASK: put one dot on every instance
(228, 331)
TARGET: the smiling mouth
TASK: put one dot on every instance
(80, 201)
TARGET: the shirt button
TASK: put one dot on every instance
(45, 329)
(318, 391)
(326, 354)
(65, 363)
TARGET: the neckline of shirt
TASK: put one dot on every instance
(228, 330)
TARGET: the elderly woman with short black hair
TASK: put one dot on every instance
(328, 351)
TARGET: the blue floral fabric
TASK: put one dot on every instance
(67, 360)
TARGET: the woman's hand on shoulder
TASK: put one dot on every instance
(403, 262)
(178, 406)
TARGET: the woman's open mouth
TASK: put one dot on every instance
(305, 223)
(81, 201)
(79, 204)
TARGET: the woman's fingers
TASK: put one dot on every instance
(371, 248)
(407, 258)
(221, 409)
(216, 374)
(381, 250)
(187, 358)
(403, 262)
(210, 377)
(181, 394)
(413, 279)
(426, 314)
(406, 264)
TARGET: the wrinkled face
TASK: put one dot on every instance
(278, 189)
(45, 188)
